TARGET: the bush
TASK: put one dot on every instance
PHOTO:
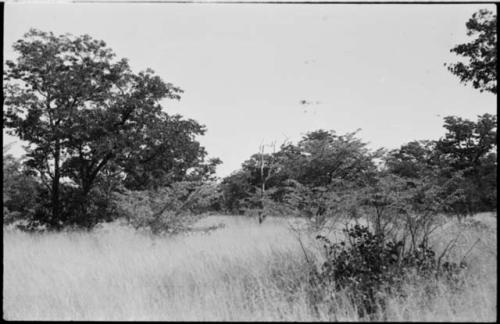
(20, 191)
(170, 209)
(370, 267)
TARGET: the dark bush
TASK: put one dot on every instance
(20, 191)
(370, 267)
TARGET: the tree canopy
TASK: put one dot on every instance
(480, 67)
(304, 175)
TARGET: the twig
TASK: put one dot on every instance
(300, 242)
(447, 247)
(473, 245)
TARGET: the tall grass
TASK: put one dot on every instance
(239, 272)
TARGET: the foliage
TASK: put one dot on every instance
(322, 205)
(396, 203)
(328, 177)
(371, 267)
(236, 189)
(462, 164)
(412, 160)
(326, 157)
(168, 209)
(86, 115)
(20, 191)
(313, 178)
(466, 143)
(481, 53)
(469, 151)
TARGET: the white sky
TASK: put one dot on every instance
(246, 67)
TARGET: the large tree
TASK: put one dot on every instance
(86, 116)
(318, 159)
(462, 163)
(466, 142)
(480, 67)
(327, 157)
(469, 148)
(412, 160)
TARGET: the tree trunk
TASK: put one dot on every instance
(56, 217)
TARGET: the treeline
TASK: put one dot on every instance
(326, 174)
(322, 177)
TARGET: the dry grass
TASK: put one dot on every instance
(477, 301)
(240, 272)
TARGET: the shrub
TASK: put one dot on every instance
(370, 267)
(20, 191)
(167, 210)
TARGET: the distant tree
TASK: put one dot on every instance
(322, 158)
(462, 164)
(412, 160)
(318, 159)
(169, 209)
(315, 177)
(20, 190)
(394, 202)
(236, 189)
(470, 149)
(466, 143)
(86, 116)
(481, 53)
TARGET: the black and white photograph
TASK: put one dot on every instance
(249, 161)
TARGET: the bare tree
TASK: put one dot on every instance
(272, 169)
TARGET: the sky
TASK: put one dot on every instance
(247, 69)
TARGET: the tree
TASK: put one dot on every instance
(236, 188)
(395, 203)
(463, 164)
(169, 209)
(87, 116)
(470, 149)
(315, 177)
(412, 160)
(481, 53)
(323, 158)
(20, 190)
(466, 143)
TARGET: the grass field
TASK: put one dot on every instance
(243, 271)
